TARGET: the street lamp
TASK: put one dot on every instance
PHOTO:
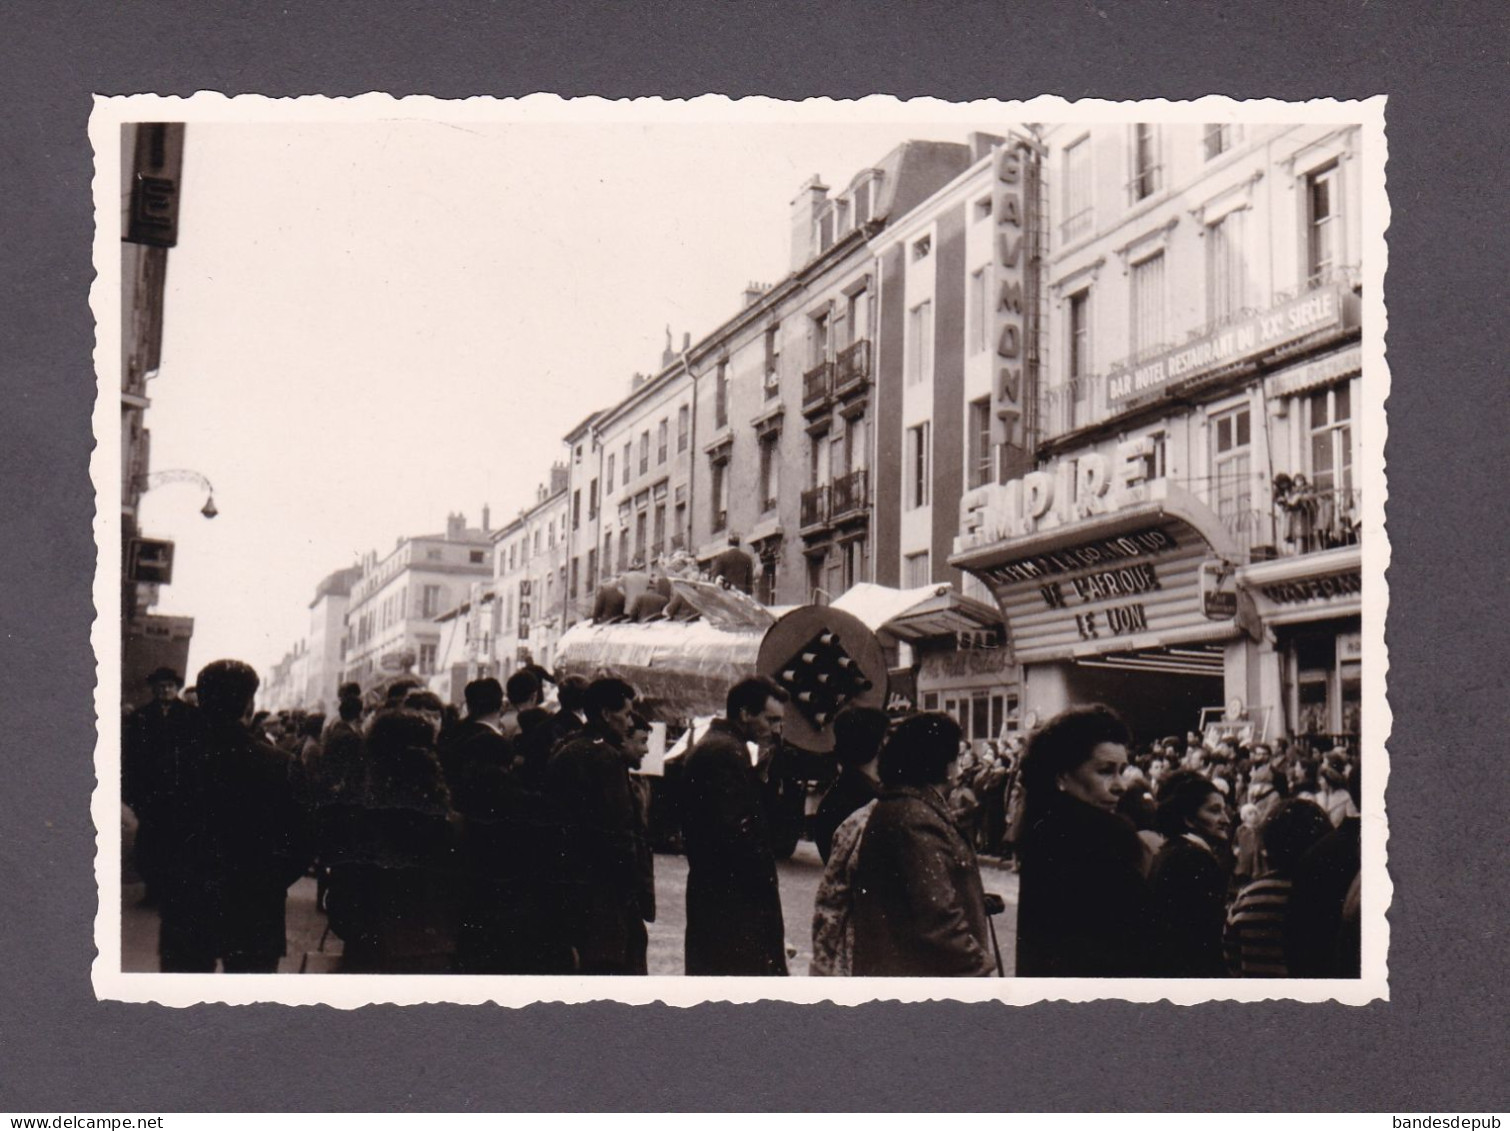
(185, 475)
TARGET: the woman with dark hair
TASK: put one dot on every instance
(1188, 881)
(1082, 907)
(391, 892)
(919, 908)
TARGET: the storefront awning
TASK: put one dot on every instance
(914, 614)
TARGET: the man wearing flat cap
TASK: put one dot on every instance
(154, 736)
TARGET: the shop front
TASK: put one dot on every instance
(1313, 606)
(1112, 590)
(949, 651)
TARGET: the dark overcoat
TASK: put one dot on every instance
(1188, 885)
(919, 907)
(734, 923)
(605, 889)
(1082, 903)
(234, 835)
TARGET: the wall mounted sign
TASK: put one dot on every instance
(1128, 591)
(1324, 308)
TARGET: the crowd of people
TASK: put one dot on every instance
(516, 839)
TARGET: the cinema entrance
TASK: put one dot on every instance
(1120, 608)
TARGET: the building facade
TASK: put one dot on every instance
(326, 639)
(391, 618)
(959, 328)
(530, 574)
(1185, 542)
(151, 173)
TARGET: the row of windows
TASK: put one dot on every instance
(1145, 171)
(1228, 291)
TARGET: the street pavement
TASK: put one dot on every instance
(798, 876)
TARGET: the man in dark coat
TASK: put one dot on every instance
(603, 895)
(500, 923)
(152, 742)
(733, 566)
(235, 832)
(734, 923)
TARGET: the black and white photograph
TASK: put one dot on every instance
(728, 550)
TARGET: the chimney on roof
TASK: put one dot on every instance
(456, 527)
(487, 515)
(668, 355)
(810, 199)
(636, 380)
(753, 291)
(981, 144)
(558, 477)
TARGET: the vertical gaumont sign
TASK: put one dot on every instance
(1014, 205)
(1090, 592)
(1322, 309)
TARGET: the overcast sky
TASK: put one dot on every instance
(369, 325)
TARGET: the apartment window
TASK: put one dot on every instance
(576, 509)
(855, 448)
(772, 354)
(680, 519)
(608, 550)
(825, 224)
(1146, 170)
(1232, 466)
(1323, 224)
(920, 344)
(644, 451)
(641, 524)
(820, 338)
(592, 500)
(853, 561)
(426, 659)
(921, 248)
(608, 477)
(623, 551)
(1079, 356)
(1217, 140)
(978, 470)
(658, 530)
(1332, 440)
(818, 466)
(477, 556)
(1155, 461)
(576, 566)
(719, 497)
(979, 314)
(916, 570)
(859, 316)
(683, 427)
(662, 441)
(862, 201)
(592, 570)
(628, 455)
(430, 601)
(432, 555)
(919, 465)
(1148, 304)
(770, 470)
(721, 397)
(1079, 211)
(1226, 273)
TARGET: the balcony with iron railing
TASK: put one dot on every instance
(852, 368)
(818, 387)
(1299, 519)
(851, 494)
(814, 509)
